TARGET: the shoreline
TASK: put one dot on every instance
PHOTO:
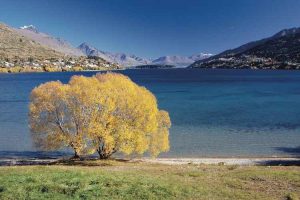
(88, 70)
(270, 161)
(225, 161)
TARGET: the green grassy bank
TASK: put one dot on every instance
(121, 180)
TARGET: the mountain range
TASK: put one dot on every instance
(180, 61)
(120, 58)
(44, 39)
(280, 51)
(64, 48)
(132, 60)
(28, 50)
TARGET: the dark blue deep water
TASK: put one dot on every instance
(214, 112)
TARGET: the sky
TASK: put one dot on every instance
(153, 28)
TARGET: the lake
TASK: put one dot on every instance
(214, 113)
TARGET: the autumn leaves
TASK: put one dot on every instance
(106, 113)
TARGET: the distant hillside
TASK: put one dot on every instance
(120, 58)
(21, 53)
(49, 41)
(152, 66)
(27, 43)
(133, 61)
(180, 61)
(89, 50)
(14, 45)
(281, 51)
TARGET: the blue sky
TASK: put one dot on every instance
(152, 28)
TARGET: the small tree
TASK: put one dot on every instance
(107, 113)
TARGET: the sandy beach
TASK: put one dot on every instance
(224, 161)
(170, 161)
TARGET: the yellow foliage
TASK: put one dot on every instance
(77, 68)
(15, 69)
(106, 113)
(3, 70)
(30, 69)
(51, 69)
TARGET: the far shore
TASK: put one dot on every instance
(85, 70)
(271, 161)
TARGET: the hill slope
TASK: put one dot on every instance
(44, 39)
(20, 53)
(120, 58)
(180, 61)
(14, 45)
(281, 51)
(133, 61)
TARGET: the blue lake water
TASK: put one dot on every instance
(214, 113)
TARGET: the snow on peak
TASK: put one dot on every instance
(120, 58)
(130, 60)
(283, 33)
(30, 28)
(200, 56)
(52, 42)
(180, 61)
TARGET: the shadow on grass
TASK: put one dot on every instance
(88, 162)
(14, 158)
(32, 154)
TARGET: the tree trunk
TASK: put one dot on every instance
(76, 156)
(102, 151)
(102, 155)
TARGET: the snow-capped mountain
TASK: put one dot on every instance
(200, 56)
(180, 61)
(132, 60)
(120, 58)
(29, 27)
(44, 39)
(15, 49)
(129, 60)
(285, 32)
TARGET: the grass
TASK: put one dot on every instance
(123, 180)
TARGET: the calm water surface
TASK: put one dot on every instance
(213, 112)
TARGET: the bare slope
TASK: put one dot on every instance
(47, 40)
(14, 45)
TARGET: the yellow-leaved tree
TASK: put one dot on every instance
(107, 113)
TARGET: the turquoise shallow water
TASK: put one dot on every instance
(214, 112)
